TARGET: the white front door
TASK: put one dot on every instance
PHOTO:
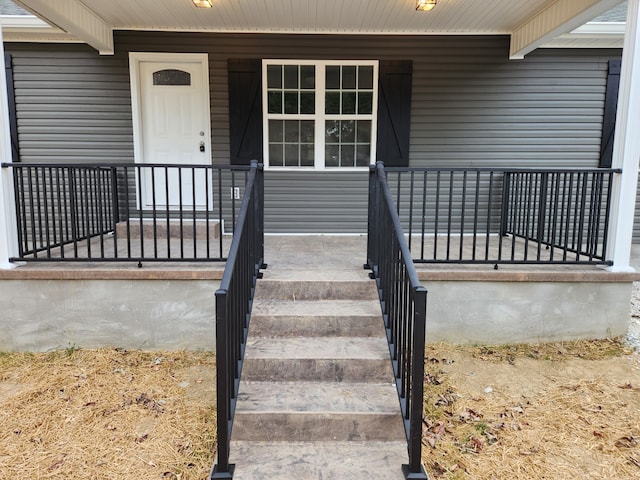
(170, 94)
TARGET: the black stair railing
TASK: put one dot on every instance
(234, 300)
(404, 308)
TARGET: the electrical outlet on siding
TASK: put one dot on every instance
(235, 193)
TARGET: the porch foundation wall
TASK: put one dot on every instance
(42, 315)
(498, 312)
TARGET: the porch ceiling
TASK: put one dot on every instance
(529, 22)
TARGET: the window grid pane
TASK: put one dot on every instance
(290, 89)
(349, 90)
(291, 143)
(347, 143)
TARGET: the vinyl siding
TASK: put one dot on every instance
(471, 107)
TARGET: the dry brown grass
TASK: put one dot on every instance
(106, 414)
(553, 411)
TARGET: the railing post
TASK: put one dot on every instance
(222, 468)
(8, 218)
(415, 468)
(371, 217)
(260, 200)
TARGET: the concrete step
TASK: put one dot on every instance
(317, 285)
(318, 460)
(315, 318)
(335, 359)
(317, 411)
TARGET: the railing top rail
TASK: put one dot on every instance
(503, 169)
(122, 165)
(234, 250)
(397, 227)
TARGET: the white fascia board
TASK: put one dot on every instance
(559, 17)
(73, 17)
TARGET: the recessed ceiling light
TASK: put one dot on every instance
(425, 5)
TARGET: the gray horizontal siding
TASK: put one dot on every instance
(316, 202)
(72, 105)
(471, 107)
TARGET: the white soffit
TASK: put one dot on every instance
(531, 23)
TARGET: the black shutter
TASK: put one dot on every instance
(610, 109)
(245, 110)
(11, 97)
(394, 112)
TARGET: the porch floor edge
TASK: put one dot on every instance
(539, 274)
(100, 271)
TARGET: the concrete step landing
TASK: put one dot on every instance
(319, 460)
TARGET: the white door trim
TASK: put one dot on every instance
(135, 60)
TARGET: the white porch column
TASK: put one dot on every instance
(626, 146)
(8, 227)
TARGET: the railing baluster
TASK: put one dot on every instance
(167, 209)
(475, 215)
(424, 213)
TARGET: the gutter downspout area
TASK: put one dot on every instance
(8, 226)
(626, 147)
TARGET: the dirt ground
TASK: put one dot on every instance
(535, 412)
(555, 411)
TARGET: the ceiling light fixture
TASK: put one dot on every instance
(202, 3)
(426, 5)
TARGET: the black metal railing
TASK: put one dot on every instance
(404, 309)
(234, 300)
(490, 215)
(125, 212)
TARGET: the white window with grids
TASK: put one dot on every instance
(319, 115)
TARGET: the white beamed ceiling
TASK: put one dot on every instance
(528, 21)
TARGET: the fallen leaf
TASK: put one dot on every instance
(56, 465)
(531, 451)
(627, 442)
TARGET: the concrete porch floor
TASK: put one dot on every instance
(312, 252)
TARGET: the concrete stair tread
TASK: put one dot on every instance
(320, 308)
(318, 460)
(332, 348)
(306, 286)
(332, 275)
(317, 397)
